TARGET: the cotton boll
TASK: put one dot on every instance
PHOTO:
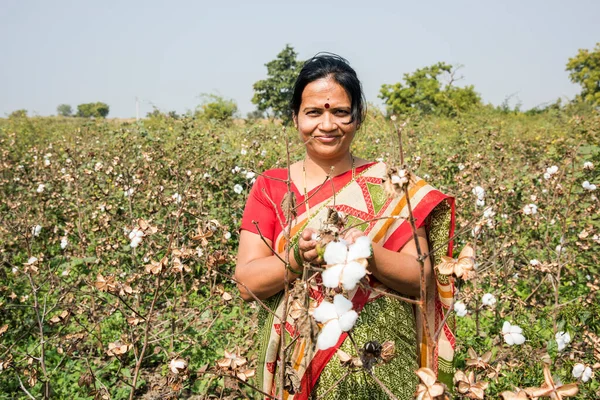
(329, 336)
(479, 192)
(347, 321)
(460, 309)
(36, 230)
(331, 276)
(562, 339)
(352, 274)
(324, 312)
(583, 372)
(587, 374)
(335, 253)
(513, 334)
(360, 249)
(488, 299)
(342, 304)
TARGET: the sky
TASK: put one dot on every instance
(168, 53)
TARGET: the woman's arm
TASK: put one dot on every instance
(259, 269)
(400, 270)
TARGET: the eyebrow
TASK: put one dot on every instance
(347, 108)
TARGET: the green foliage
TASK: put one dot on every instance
(18, 114)
(584, 70)
(84, 200)
(275, 93)
(546, 108)
(155, 113)
(255, 114)
(423, 93)
(216, 108)
(64, 110)
(96, 110)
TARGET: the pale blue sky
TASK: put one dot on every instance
(168, 53)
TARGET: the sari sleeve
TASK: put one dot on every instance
(258, 208)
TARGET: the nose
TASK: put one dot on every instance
(328, 123)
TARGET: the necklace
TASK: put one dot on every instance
(353, 168)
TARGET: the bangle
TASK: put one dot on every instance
(289, 268)
(298, 258)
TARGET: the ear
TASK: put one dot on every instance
(295, 119)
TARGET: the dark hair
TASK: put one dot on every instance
(323, 65)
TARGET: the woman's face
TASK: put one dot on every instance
(322, 120)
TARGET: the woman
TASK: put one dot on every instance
(328, 108)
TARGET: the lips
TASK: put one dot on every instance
(327, 138)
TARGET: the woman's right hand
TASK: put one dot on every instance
(308, 246)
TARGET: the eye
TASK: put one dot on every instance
(313, 112)
(342, 113)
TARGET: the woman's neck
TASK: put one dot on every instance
(319, 169)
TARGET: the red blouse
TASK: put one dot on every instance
(264, 201)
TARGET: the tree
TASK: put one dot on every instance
(275, 92)
(423, 92)
(255, 114)
(584, 70)
(217, 108)
(64, 110)
(18, 114)
(96, 110)
(155, 113)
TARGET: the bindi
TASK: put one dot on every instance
(326, 105)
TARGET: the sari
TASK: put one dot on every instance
(381, 318)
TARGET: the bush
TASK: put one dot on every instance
(216, 108)
(96, 110)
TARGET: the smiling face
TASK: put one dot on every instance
(323, 120)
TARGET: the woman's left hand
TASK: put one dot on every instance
(352, 234)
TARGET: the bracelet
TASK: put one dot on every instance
(289, 268)
(298, 258)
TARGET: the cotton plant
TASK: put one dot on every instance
(336, 317)
(347, 263)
